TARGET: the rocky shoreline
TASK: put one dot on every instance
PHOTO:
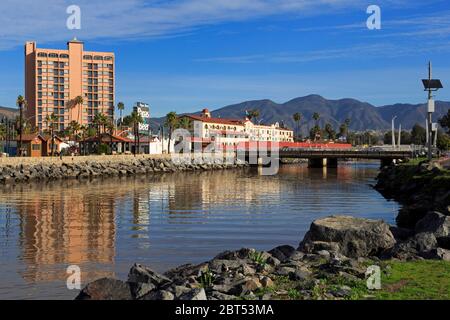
(418, 188)
(42, 171)
(330, 263)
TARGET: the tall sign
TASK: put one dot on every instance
(143, 109)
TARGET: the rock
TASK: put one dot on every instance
(437, 224)
(355, 237)
(194, 294)
(342, 292)
(221, 296)
(282, 252)
(266, 282)
(425, 241)
(437, 254)
(401, 233)
(180, 290)
(284, 271)
(140, 289)
(106, 289)
(139, 273)
(252, 285)
(159, 295)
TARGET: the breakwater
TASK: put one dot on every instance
(20, 170)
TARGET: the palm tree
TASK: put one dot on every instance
(78, 101)
(110, 129)
(297, 118)
(73, 128)
(21, 102)
(316, 117)
(51, 121)
(121, 107)
(185, 123)
(330, 131)
(84, 130)
(253, 114)
(135, 120)
(171, 123)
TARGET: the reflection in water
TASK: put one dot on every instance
(165, 220)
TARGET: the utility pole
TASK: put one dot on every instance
(430, 114)
(430, 85)
(393, 132)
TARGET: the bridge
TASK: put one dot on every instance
(329, 157)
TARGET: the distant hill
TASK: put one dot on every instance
(8, 112)
(363, 115)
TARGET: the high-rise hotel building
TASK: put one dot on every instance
(54, 78)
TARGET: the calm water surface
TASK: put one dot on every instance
(166, 220)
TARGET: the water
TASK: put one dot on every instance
(166, 220)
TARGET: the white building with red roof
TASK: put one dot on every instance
(232, 132)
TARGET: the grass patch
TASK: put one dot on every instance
(415, 280)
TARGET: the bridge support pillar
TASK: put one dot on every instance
(322, 163)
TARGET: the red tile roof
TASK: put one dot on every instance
(232, 122)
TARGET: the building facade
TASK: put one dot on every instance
(55, 78)
(232, 132)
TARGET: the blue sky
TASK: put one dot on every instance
(184, 55)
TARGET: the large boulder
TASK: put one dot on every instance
(350, 236)
(437, 224)
(106, 289)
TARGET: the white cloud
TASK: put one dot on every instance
(45, 21)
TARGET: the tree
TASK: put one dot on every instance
(135, 120)
(73, 128)
(297, 118)
(171, 123)
(445, 121)
(2, 131)
(315, 133)
(330, 131)
(121, 107)
(110, 129)
(418, 135)
(185, 123)
(78, 101)
(316, 117)
(443, 141)
(21, 102)
(253, 114)
(51, 122)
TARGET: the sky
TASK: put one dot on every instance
(185, 55)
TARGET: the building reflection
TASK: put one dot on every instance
(62, 226)
(77, 223)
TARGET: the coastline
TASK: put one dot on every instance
(332, 262)
(24, 170)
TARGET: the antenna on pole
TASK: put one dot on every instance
(430, 85)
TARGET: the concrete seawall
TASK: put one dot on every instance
(20, 170)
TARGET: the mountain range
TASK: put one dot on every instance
(362, 115)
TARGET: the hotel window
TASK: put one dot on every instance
(39, 102)
(111, 74)
(39, 63)
(87, 57)
(107, 58)
(42, 54)
(39, 86)
(53, 55)
(98, 58)
(39, 79)
(64, 56)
